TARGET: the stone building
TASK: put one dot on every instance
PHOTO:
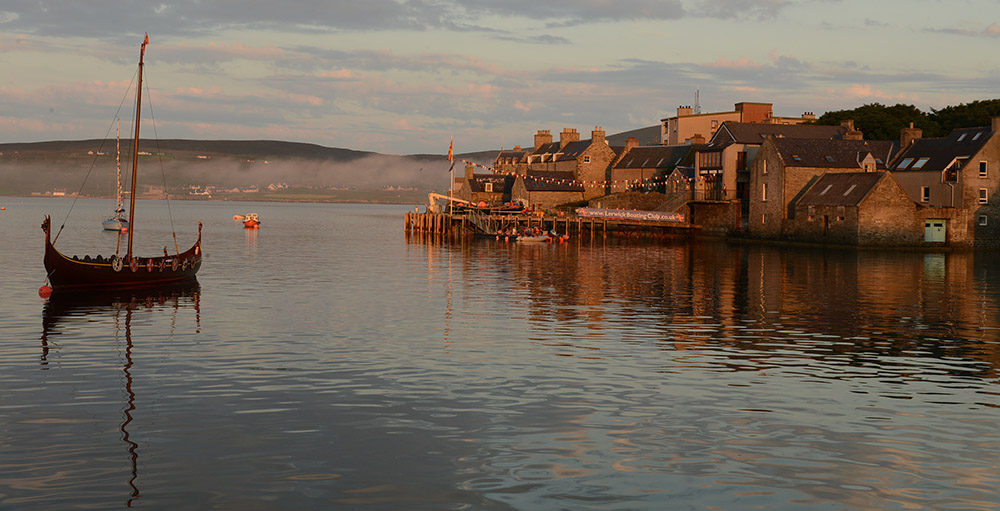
(639, 164)
(488, 188)
(511, 161)
(688, 124)
(589, 161)
(784, 166)
(723, 165)
(961, 171)
(854, 208)
(546, 189)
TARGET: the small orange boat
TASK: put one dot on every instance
(251, 221)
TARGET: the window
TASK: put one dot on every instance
(983, 219)
(925, 194)
(812, 212)
(763, 218)
(829, 159)
(850, 189)
(827, 189)
(983, 196)
(763, 193)
(977, 136)
(796, 157)
(763, 167)
(920, 163)
(841, 214)
(962, 137)
(982, 169)
(586, 159)
(905, 163)
(869, 167)
(488, 187)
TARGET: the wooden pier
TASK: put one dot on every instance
(578, 227)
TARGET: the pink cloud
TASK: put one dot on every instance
(339, 74)
(740, 63)
(866, 91)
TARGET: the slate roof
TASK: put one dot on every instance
(755, 133)
(654, 157)
(941, 152)
(833, 154)
(510, 153)
(550, 181)
(501, 183)
(571, 151)
(841, 189)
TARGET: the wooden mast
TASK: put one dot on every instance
(135, 154)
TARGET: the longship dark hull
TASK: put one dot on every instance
(67, 273)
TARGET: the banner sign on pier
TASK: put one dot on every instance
(627, 214)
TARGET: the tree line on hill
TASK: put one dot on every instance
(880, 122)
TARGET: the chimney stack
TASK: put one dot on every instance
(568, 135)
(597, 135)
(468, 171)
(849, 132)
(631, 143)
(908, 135)
(543, 137)
(996, 125)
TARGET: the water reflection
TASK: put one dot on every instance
(859, 309)
(62, 310)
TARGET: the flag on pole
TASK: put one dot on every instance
(451, 153)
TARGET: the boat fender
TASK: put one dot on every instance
(133, 264)
(173, 265)
(184, 265)
(45, 292)
(116, 263)
(149, 265)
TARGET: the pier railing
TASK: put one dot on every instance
(578, 227)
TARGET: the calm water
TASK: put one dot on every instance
(329, 362)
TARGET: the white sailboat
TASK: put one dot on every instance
(117, 221)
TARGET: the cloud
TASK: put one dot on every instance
(865, 92)
(741, 9)
(180, 18)
(993, 30)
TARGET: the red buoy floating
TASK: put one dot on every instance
(45, 291)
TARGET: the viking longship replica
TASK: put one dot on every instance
(126, 270)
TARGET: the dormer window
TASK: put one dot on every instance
(488, 187)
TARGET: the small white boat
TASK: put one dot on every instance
(117, 221)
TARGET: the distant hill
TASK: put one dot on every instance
(87, 166)
(234, 148)
(646, 136)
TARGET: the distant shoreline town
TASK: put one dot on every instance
(748, 174)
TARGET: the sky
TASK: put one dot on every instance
(408, 76)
